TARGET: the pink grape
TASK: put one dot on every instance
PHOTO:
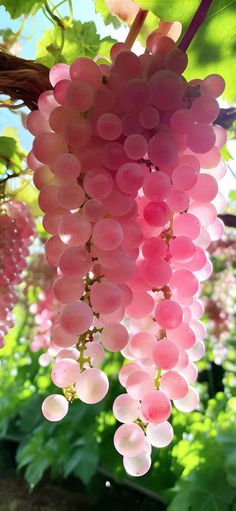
(74, 230)
(184, 178)
(157, 213)
(182, 121)
(70, 196)
(205, 189)
(149, 117)
(86, 69)
(187, 225)
(105, 297)
(165, 354)
(107, 234)
(95, 352)
(129, 440)
(197, 351)
(127, 65)
(59, 72)
(160, 435)
(183, 284)
(178, 200)
(168, 314)
(76, 318)
(65, 372)
(54, 248)
(47, 146)
(135, 146)
(55, 407)
(167, 89)
(138, 465)
(154, 248)
(98, 183)
(129, 178)
(157, 186)
(138, 384)
(182, 248)
(174, 385)
(190, 372)
(93, 210)
(189, 402)
(162, 149)
(62, 338)
(141, 305)
(67, 290)
(156, 407)
(213, 85)
(142, 344)
(126, 370)
(114, 337)
(157, 275)
(201, 138)
(126, 409)
(183, 336)
(109, 126)
(75, 262)
(66, 167)
(92, 385)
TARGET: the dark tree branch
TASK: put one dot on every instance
(228, 219)
(198, 19)
(22, 79)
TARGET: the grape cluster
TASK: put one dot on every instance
(16, 234)
(126, 158)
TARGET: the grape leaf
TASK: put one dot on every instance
(213, 47)
(203, 490)
(173, 10)
(18, 7)
(80, 40)
(101, 8)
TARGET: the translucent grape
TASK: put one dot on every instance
(174, 385)
(129, 440)
(92, 385)
(156, 406)
(160, 435)
(55, 407)
(76, 318)
(114, 337)
(126, 409)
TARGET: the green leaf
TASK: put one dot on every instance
(8, 147)
(204, 490)
(35, 471)
(232, 195)
(83, 462)
(18, 7)
(80, 40)
(173, 10)
(101, 8)
(225, 153)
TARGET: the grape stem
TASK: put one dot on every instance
(197, 20)
(135, 28)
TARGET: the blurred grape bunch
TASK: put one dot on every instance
(220, 299)
(36, 295)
